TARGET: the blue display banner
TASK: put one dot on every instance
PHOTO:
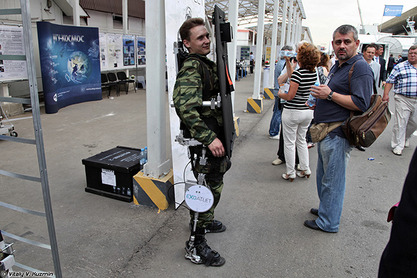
(141, 48)
(128, 50)
(393, 10)
(70, 64)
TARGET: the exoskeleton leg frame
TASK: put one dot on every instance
(190, 250)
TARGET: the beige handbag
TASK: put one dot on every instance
(319, 131)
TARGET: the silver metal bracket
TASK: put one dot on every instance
(214, 102)
(188, 142)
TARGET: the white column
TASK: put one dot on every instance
(300, 29)
(125, 25)
(274, 43)
(290, 23)
(294, 27)
(232, 46)
(259, 49)
(125, 16)
(157, 164)
(76, 12)
(284, 22)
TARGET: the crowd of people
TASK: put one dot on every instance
(335, 99)
(313, 93)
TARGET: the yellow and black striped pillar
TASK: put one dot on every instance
(153, 192)
(254, 105)
(268, 93)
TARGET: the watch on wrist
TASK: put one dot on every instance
(329, 97)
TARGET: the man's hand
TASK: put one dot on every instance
(216, 148)
(321, 91)
(388, 87)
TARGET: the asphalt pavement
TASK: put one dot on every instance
(264, 214)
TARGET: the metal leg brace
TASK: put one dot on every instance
(190, 250)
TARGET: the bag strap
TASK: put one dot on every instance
(350, 91)
(350, 77)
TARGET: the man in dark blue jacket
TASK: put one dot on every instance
(335, 100)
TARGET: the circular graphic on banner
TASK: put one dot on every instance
(78, 66)
(199, 198)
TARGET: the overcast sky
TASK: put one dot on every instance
(324, 16)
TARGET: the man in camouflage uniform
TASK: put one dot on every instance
(197, 81)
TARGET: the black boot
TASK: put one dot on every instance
(215, 227)
(205, 255)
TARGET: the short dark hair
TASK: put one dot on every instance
(324, 61)
(412, 47)
(370, 45)
(345, 29)
(188, 25)
(287, 47)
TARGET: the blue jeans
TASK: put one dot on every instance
(276, 119)
(333, 156)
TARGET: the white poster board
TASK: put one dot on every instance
(115, 50)
(11, 43)
(104, 56)
(176, 12)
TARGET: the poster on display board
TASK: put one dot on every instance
(244, 53)
(118, 51)
(70, 64)
(11, 43)
(114, 50)
(104, 57)
(141, 48)
(128, 50)
(176, 12)
(268, 54)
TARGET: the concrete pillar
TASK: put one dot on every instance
(300, 28)
(294, 26)
(125, 17)
(284, 22)
(157, 164)
(125, 14)
(274, 43)
(76, 12)
(290, 16)
(259, 49)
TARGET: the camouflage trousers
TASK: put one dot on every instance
(214, 171)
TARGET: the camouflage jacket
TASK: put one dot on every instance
(188, 98)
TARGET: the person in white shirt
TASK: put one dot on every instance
(368, 55)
